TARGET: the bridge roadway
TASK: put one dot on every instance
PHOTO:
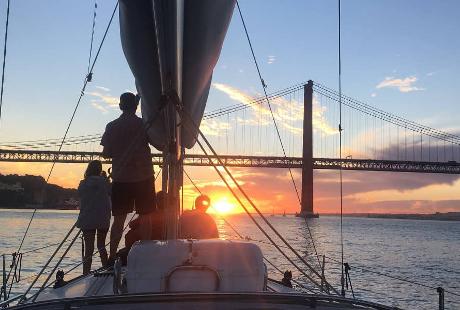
(244, 161)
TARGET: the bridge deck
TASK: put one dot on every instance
(245, 161)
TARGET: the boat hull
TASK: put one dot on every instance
(202, 301)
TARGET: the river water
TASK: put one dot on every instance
(425, 252)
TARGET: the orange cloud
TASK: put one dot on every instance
(287, 113)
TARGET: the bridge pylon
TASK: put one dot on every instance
(306, 209)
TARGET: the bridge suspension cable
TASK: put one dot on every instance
(385, 116)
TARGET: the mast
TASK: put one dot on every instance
(172, 47)
(169, 45)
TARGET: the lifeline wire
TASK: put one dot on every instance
(393, 277)
(80, 263)
(264, 86)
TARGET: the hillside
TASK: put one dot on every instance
(26, 191)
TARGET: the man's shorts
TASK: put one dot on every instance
(130, 196)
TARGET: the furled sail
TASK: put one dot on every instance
(202, 26)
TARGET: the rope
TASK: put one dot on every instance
(82, 93)
(92, 37)
(342, 279)
(56, 266)
(282, 273)
(264, 86)
(252, 218)
(244, 238)
(76, 265)
(48, 262)
(195, 127)
(85, 83)
(4, 56)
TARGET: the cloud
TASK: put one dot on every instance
(373, 95)
(102, 100)
(214, 127)
(271, 59)
(106, 99)
(103, 88)
(99, 107)
(287, 113)
(404, 85)
(430, 73)
(364, 192)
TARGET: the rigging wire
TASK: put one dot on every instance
(92, 37)
(342, 279)
(82, 93)
(191, 123)
(35, 295)
(264, 86)
(4, 56)
(57, 265)
(49, 261)
(245, 238)
(85, 83)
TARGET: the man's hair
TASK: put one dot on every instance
(128, 102)
(202, 203)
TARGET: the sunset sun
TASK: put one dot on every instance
(223, 206)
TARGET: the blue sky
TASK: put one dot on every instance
(49, 42)
(400, 56)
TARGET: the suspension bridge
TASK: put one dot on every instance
(307, 118)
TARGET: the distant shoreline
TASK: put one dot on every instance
(448, 216)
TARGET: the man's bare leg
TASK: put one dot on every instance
(116, 232)
(145, 226)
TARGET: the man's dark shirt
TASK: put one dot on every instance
(197, 225)
(126, 142)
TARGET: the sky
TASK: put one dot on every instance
(399, 56)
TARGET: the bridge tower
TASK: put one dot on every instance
(307, 154)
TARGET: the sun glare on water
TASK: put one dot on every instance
(222, 206)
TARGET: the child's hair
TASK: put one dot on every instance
(94, 168)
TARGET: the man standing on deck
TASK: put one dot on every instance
(125, 141)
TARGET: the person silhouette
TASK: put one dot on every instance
(125, 141)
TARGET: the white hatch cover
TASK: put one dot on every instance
(195, 266)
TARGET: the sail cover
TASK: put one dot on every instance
(202, 26)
